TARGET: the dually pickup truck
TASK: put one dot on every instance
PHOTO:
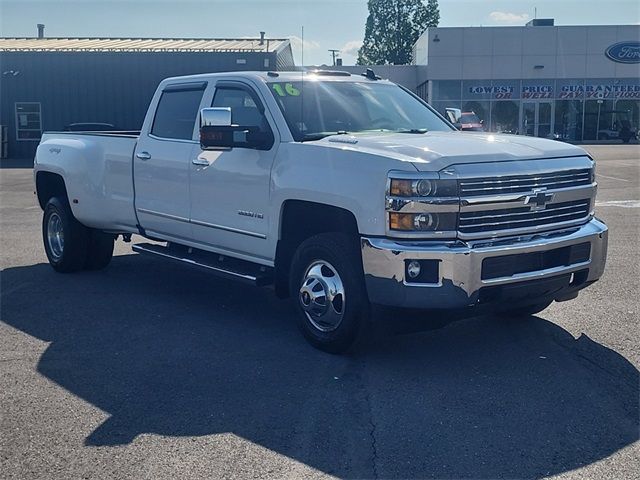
(338, 190)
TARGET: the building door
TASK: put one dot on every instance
(537, 119)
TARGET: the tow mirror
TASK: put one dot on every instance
(217, 132)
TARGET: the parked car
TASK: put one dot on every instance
(622, 130)
(465, 121)
(359, 194)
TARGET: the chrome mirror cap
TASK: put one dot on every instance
(215, 117)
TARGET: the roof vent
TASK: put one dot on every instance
(540, 22)
(41, 30)
(262, 38)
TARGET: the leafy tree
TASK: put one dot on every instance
(392, 27)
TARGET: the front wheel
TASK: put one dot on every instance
(327, 284)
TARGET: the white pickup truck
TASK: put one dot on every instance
(339, 190)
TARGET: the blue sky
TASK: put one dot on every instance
(327, 23)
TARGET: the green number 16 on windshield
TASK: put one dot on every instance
(285, 89)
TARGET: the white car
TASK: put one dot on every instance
(339, 190)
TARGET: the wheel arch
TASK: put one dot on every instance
(48, 185)
(299, 220)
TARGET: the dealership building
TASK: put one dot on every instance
(579, 82)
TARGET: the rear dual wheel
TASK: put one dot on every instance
(69, 245)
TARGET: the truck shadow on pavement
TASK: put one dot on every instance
(170, 351)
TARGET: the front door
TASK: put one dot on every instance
(537, 119)
(162, 162)
(230, 188)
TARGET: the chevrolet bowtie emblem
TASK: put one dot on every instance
(539, 199)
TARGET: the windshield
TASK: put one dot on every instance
(328, 108)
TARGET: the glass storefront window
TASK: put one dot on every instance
(504, 116)
(598, 119)
(628, 117)
(568, 121)
(446, 90)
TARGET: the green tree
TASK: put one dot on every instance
(392, 27)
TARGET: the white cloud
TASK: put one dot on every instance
(509, 18)
(351, 48)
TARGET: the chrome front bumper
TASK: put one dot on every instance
(460, 266)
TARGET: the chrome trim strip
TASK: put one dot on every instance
(532, 166)
(512, 214)
(162, 215)
(202, 224)
(229, 229)
(583, 172)
(165, 139)
(524, 230)
(422, 205)
(548, 215)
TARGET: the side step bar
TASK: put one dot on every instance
(220, 265)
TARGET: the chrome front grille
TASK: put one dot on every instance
(523, 217)
(524, 183)
(524, 196)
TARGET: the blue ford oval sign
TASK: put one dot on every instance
(624, 52)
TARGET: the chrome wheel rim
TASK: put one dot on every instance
(55, 236)
(322, 296)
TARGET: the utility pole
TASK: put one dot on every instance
(334, 54)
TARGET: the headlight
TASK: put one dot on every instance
(424, 187)
(422, 222)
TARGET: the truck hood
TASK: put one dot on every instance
(433, 151)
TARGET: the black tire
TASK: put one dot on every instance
(330, 253)
(99, 251)
(525, 311)
(70, 255)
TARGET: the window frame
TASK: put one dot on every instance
(180, 87)
(253, 93)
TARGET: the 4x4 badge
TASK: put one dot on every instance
(539, 199)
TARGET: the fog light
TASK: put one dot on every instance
(413, 269)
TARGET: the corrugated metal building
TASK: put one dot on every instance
(49, 83)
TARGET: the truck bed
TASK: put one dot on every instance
(98, 174)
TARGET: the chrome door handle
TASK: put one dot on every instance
(143, 155)
(200, 162)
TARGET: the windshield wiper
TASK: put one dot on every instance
(310, 137)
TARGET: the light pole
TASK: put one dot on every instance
(334, 53)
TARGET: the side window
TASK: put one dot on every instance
(244, 110)
(177, 113)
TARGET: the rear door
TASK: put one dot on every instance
(162, 162)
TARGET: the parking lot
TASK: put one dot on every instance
(152, 370)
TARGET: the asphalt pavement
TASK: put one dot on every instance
(152, 370)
